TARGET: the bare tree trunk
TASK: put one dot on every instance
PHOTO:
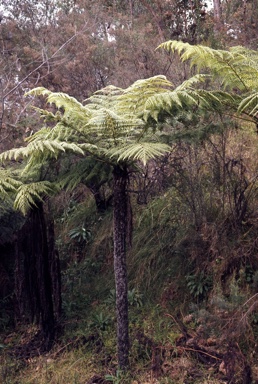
(217, 13)
(120, 176)
(155, 18)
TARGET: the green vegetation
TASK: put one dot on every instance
(161, 304)
(140, 216)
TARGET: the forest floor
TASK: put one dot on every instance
(164, 350)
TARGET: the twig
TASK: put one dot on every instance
(200, 351)
(180, 325)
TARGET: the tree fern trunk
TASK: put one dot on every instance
(54, 264)
(120, 227)
(36, 270)
(47, 319)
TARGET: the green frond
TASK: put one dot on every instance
(62, 132)
(87, 171)
(39, 135)
(166, 101)
(107, 123)
(47, 115)
(206, 99)
(143, 151)
(38, 91)
(200, 55)
(72, 178)
(88, 147)
(115, 111)
(56, 147)
(234, 67)
(133, 100)
(223, 97)
(193, 53)
(13, 154)
(249, 104)
(104, 98)
(8, 184)
(33, 166)
(48, 149)
(189, 83)
(170, 102)
(59, 99)
(29, 194)
(71, 113)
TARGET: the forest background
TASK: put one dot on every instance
(192, 238)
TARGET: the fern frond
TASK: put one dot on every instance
(189, 83)
(233, 66)
(71, 113)
(59, 99)
(8, 184)
(104, 98)
(156, 104)
(47, 115)
(143, 151)
(249, 104)
(38, 91)
(39, 135)
(133, 99)
(48, 149)
(28, 195)
(62, 132)
(72, 178)
(106, 123)
(53, 148)
(13, 154)
(88, 171)
(170, 102)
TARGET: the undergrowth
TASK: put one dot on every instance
(192, 301)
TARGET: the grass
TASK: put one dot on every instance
(73, 367)
(155, 262)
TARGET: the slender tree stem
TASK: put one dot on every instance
(120, 176)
